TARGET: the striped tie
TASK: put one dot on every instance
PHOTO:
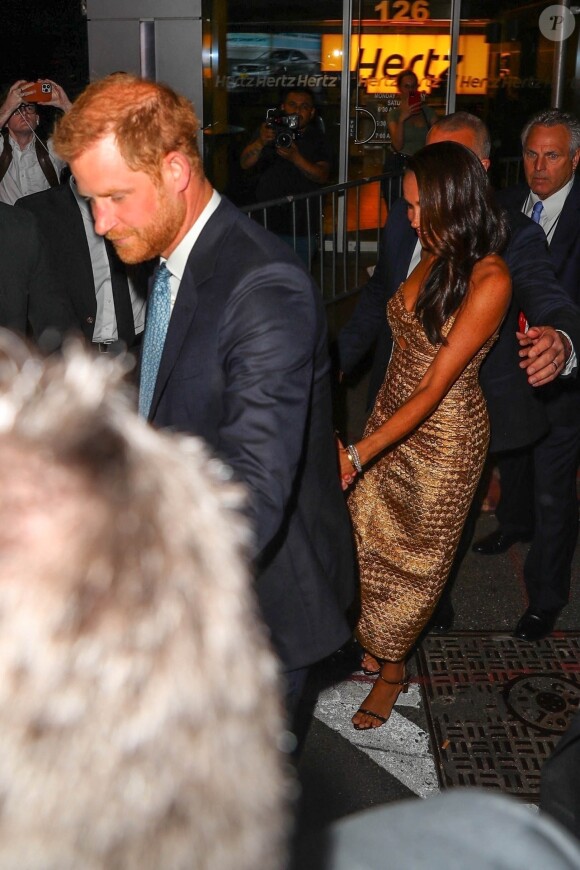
(158, 314)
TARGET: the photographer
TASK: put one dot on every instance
(27, 163)
(291, 156)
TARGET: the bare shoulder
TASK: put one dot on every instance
(490, 289)
(491, 270)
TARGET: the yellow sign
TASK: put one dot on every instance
(381, 57)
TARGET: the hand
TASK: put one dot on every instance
(406, 110)
(14, 98)
(59, 98)
(291, 153)
(543, 354)
(267, 134)
(347, 471)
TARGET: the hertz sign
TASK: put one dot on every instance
(380, 58)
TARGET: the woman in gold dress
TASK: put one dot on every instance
(425, 442)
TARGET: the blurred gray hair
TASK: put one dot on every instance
(555, 118)
(465, 120)
(140, 714)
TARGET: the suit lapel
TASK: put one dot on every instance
(199, 270)
(80, 266)
(566, 233)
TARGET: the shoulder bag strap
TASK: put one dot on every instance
(45, 163)
(6, 156)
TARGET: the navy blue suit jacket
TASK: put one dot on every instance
(517, 413)
(562, 396)
(245, 365)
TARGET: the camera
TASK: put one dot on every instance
(38, 92)
(286, 127)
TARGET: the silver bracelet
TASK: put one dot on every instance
(352, 454)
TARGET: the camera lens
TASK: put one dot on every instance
(283, 140)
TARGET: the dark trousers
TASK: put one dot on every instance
(295, 682)
(540, 485)
(548, 567)
(515, 509)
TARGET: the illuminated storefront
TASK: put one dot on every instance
(499, 59)
(500, 56)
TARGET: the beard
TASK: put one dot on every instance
(136, 245)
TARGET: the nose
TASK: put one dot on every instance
(103, 216)
(539, 163)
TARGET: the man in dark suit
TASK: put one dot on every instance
(538, 486)
(29, 299)
(108, 298)
(240, 331)
(517, 415)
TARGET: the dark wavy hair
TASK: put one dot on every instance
(461, 224)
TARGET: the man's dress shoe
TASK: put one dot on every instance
(535, 625)
(498, 542)
(442, 620)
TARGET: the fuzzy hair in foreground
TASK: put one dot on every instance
(140, 715)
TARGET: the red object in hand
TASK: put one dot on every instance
(523, 324)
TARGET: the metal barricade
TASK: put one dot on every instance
(510, 171)
(341, 225)
(339, 228)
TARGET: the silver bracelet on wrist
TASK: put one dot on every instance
(352, 454)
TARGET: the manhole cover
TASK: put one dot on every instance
(544, 701)
(497, 706)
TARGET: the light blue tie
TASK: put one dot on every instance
(537, 211)
(158, 314)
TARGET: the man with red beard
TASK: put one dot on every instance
(235, 348)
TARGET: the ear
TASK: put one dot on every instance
(176, 170)
(485, 162)
(575, 159)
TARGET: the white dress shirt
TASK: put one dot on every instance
(177, 260)
(24, 175)
(552, 210)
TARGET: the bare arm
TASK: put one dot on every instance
(252, 152)
(13, 99)
(477, 320)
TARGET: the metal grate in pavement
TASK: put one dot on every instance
(496, 706)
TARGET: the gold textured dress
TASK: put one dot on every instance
(409, 507)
